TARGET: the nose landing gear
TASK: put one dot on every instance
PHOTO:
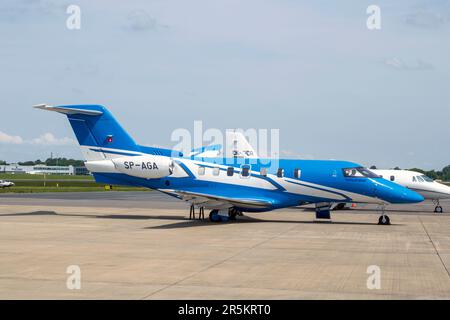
(438, 208)
(384, 218)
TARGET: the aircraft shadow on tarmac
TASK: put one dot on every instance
(34, 213)
(111, 216)
(199, 223)
(185, 223)
(366, 210)
(390, 210)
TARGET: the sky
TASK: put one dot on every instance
(312, 69)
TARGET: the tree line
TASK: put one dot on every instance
(50, 162)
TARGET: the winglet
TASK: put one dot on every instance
(68, 110)
(42, 106)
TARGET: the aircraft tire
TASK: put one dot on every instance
(232, 214)
(438, 209)
(214, 216)
(384, 220)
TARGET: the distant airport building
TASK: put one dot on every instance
(43, 169)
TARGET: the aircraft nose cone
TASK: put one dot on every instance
(444, 190)
(394, 193)
(410, 196)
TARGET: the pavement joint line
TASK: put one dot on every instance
(317, 292)
(85, 281)
(219, 262)
(434, 246)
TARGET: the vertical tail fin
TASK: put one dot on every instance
(99, 134)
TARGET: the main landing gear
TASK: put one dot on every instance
(438, 208)
(224, 215)
(384, 218)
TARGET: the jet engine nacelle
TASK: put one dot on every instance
(148, 167)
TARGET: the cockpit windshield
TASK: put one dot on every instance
(359, 172)
(426, 178)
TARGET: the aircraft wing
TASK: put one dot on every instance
(215, 201)
(237, 146)
(211, 151)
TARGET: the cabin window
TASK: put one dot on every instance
(414, 179)
(216, 171)
(201, 171)
(245, 171)
(263, 172)
(297, 173)
(392, 178)
(230, 171)
(280, 173)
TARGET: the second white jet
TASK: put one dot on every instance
(420, 183)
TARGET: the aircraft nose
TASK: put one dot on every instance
(410, 196)
(444, 190)
(394, 193)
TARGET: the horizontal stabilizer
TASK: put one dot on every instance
(98, 132)
(211, 151)
(68, 110)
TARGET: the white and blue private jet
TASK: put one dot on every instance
(226, 186)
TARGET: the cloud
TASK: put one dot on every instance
(400, 64)
(47, 139)
(426, 19)
(140, 20)
(22, 9)
(428, 14)
(6, 138)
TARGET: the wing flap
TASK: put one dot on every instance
(204, 198)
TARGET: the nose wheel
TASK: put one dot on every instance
(384, 218)
(438, 208)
